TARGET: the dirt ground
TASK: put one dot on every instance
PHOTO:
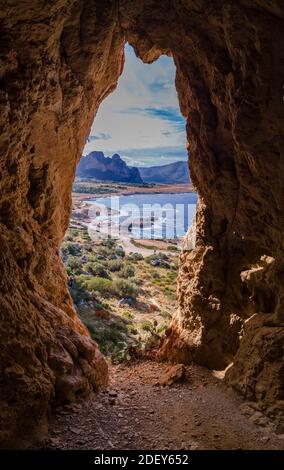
(136, 412)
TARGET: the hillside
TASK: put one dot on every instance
(166, 174)
(96, 166)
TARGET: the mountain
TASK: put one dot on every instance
(172, 173)
(95, 165)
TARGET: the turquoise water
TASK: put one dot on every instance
(149, 215)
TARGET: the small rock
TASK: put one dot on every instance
(80, 442)
(75, 430)
(112, 393)
(173, 374)
(75, 407)
(259, 419)
(53, 441)
(279, 429)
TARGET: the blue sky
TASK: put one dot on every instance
(141, 119)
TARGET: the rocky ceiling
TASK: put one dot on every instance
(58, 61)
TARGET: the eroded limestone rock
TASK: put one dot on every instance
(58, 60)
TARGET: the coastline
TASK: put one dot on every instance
(130, 191)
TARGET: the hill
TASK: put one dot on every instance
(96, 166)
(173, 173)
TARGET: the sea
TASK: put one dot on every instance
(149, 215)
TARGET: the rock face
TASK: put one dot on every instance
(58, 61)
(173, 173)
(52, 81)
(96, 165)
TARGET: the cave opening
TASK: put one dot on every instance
(58, 63)
(133, 204)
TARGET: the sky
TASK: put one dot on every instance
(141, 119)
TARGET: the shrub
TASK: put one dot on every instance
(131, 329)
(74, 232)
(172, 248)
(86, 237)
(160, 261)
(120, 353)
(97, 269)
(114, 265)
(82, 280)
(135, 257)
(126, 271)
(146, 325)
(109, 337)
(69, 271)
(161, 328)
(120, 253)
(100, 285)
(156, 275)
(166, 315)
(69, 248)
(105, 252)
(73, 264)
(125, 288)
(109, 243)
(80, 294)
(128, 315)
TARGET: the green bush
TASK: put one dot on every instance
(155, 275)
(97, 269)
(135, 257)
(74, 232)
(114, 265)
(125, 288)
(109, 243)
(69, 271)
(70, 248)
(131, 329)
(81, 280)
(126, 271)
(100, 285)
(173, 248)
(120, 253)
(105, 252)
(146, 325)
(73, 264)
(80, 294)
(128, 315)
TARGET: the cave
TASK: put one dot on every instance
(59, 60)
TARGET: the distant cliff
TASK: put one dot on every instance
(95, 165)
(166, 174)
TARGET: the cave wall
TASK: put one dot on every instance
(229, 58)
(59, 59)
(57, 63)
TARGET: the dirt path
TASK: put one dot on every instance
(136, 413)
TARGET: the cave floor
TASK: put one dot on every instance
(138, 413)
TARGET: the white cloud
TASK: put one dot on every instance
(142, 113)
